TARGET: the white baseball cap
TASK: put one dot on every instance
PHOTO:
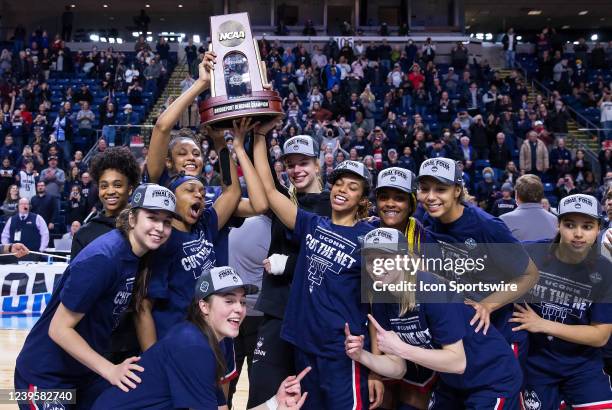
(579, 204)
(153, 197)
(387, 239)
(444, 170)
(300, 144)
(398, 178)
(222, 279)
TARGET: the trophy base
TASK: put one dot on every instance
(220, 112)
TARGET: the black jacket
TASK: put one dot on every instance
(97, 226)
(274, 292)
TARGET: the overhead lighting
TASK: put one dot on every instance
(565, 27)
(105, 5)
(594, 37)
(480, 36)
(103, 39)
(534, 12)
(583, 13)
(111, 40)
(180, 6)
(94, 37)
(135, 33)
(575, 42)
(119, 40)
(196, 38)
(519, 38)
(147, 5)
(489, 36)
(73, 5)
(150, 38)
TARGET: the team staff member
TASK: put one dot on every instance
(467, 232)
(565, 359)
(64, 348)
(476, 371)
(116, 173)
(325, 292)
(395, 204)
(182, 369)
(273, 358)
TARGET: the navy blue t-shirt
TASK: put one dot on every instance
(325, 293)
(568, 294)
(180, 372)
(177, 266)
(491, 364)
(478, 235)
(97, 283)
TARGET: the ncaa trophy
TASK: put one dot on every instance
(237, 89)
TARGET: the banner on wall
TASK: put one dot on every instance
(26, 289)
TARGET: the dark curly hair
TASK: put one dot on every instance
(118, 158)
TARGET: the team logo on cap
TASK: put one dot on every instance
(137, 197)
(295, 147)
(235, 278)
(166, 202)
(204, 286)
(577, 205)
(393, 178)
(434, 169)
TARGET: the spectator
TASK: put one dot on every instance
(479, 138)
(53, 177)
(63, 129)
(9, 206)
(580, 166)
(45, 205)
(565, 186)
(560, 158)
(533, 155)
(558, 118)
(428, 50)
(27, 180)
(605, 106)
(509, 42)
(27, 228)
(85, 118)
(211, 177)
(72, 231)
(486, 189)
(309, 29)
(506, 203)
(84, 94)
(459, 56)
(500, 153)
(77, 206)
(529, 221)
(9, 149)
(7, 176)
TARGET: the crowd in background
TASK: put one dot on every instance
(382, 104)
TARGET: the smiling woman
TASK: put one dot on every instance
(74, 332)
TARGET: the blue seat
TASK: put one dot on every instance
(549, 188)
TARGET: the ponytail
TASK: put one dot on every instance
(195, 316)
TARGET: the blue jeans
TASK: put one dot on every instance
(510, 57)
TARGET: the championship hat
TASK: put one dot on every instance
(387, 239)
(300, 144)
(398, 178)
(444, 170)
(153, 197)
(351, 167)
(221, 279)
(579, 204)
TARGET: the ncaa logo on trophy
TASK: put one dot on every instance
(237, 84)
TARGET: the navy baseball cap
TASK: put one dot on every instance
(220, 280)
(398, 178)
(579, 204)
(300, 144)
(444, 170)
(153, 197)
(351, 167)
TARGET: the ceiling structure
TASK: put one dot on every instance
(480, 15)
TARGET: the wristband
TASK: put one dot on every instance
(272, 403)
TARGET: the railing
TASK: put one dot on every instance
(590, 154)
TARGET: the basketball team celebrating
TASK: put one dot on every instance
(326, 345)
